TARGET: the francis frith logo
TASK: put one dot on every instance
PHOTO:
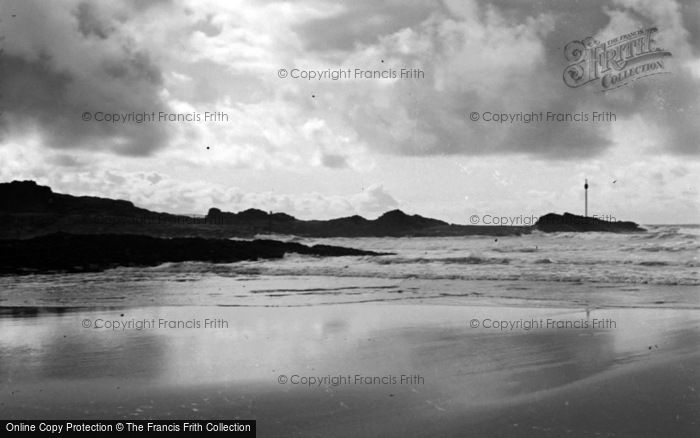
(616, 62)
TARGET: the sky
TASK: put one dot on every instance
(323, 148)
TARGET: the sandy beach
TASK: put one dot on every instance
(372, 370)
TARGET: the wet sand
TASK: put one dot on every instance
(636, 373)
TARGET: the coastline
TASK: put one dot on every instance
(29, 210)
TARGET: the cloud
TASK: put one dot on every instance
(161, 192)
(375, 200)
(362, 23)
(62, 160)
(671, 104)
(498, 56)
(63, 59)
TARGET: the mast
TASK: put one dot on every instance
(585, 188)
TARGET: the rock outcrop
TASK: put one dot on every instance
(62, 252)
(551, 223)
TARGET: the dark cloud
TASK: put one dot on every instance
(334, 161)
(133, 67)
(690, 12)
(89, 23)
(141, 6)
(68, 68)
(39, 99)
(362, 22)
(63, 160)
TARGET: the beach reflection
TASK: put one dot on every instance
(257, 345)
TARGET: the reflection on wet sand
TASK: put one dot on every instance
(468, 375)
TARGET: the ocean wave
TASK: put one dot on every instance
(578, 257)
(257, 269)
(670, 248)
(666, 232)
(280, 237)
(517, 250)
(469, 260)
(653, 263)
(606, 262)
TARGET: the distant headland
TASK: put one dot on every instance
(30, 210)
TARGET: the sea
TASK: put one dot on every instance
(464, 314)
(657, 268)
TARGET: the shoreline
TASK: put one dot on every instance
(310, 291)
